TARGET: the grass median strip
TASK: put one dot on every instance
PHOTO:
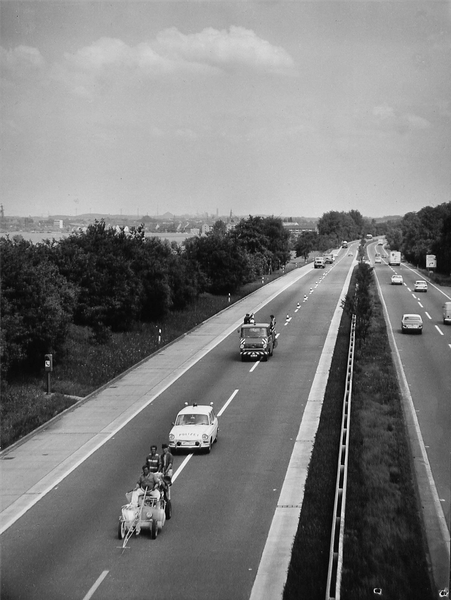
(384, 544)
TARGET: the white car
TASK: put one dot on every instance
(412, 322)
(378, 260)
(421, 286)
(397, 279)
(195, 428)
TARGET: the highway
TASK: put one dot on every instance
(66, 546)
(426, 364)
(426, 360)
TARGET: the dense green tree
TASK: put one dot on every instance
(394, 236)
(278, 240)
(360, 304)
(37, 305)
(224, 263)
(338, 226)
(442, 246)
(250, 235)
(307, 242)
(219, 228)
(359, 224)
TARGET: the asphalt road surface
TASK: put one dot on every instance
(66, 545)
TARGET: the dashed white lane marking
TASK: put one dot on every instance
(227, 403)
(428, 315)
(189, 456)
(254, 366)
(439, 330)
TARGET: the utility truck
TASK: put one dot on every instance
(394, 258)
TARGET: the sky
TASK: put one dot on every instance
(274, 107)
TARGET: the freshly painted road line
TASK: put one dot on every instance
(228, 402)
(96, 585)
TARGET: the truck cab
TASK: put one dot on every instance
(257, 340)
(319, 262)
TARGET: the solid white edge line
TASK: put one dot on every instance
(429, 283)
(439, 547)
(96, 585)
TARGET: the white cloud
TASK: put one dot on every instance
(21, 57)
(389, 119)
(208, 51)
(110, 62)
(416, 122)
(383, 112)
(107, 53)
(223, 49)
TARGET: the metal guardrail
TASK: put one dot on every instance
(338, 523)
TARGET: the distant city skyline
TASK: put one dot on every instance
(168, 215)
(284, 108)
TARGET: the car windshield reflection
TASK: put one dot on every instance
(255, 332)
(195, 419)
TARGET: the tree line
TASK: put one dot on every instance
(108, 280)
(416, 234)
(427, 231)
(332, 229)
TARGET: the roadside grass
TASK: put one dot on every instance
(384, 538)
(384, 545)
(438, 278)
(87, 365)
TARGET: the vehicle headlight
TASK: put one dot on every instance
(204, 437)
(171, 437)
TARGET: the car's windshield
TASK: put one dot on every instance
(192, 419)
(412, 318)
(254, 332)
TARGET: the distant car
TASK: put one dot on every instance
(412, 323)
(447, 313)
(350, 253)
(377, 260)
(195, 428)
(329, 258)
(397, 279)
(421, 286)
